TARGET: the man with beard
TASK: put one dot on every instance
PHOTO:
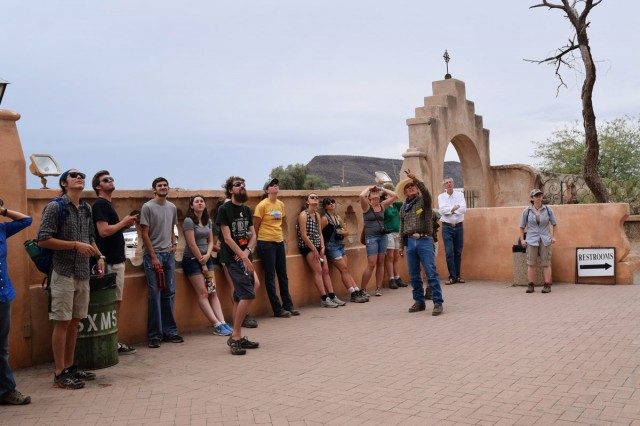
(416, 234)
(109, 238)
(236, 248)
(157, 219)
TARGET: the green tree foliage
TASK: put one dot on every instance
(296, 176)
(564, 151)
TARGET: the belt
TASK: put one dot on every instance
(417, 236)
(453, 225)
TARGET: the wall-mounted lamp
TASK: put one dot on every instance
(382, 178)
(44, 165)
(3, 87)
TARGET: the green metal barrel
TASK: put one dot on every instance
(97, 345)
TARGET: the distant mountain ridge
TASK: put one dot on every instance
(360, 171)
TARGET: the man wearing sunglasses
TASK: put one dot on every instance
(73, 243)
(416, 235)
(157, 219)
(238, 242)
(109, 238)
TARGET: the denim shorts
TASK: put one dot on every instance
(334, 251)
(191, 266)
(376, 244)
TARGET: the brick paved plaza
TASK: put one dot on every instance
(497, 356)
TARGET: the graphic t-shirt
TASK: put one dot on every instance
(238, 219)
(271, 215)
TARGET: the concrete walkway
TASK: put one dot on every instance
(497, 356)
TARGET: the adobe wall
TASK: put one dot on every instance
(489, 236)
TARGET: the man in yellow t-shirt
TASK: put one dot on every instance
(268, 220)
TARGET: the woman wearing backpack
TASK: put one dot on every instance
(536, 220)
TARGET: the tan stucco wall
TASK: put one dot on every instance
(489, 233)
(489, 236)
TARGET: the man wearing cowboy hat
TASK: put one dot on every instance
(416, 234)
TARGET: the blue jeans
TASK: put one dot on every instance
(7, 382)
(453, 239)
(160, 320)
(376, 244)
(421, 252)
(274, 260)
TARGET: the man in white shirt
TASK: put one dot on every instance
(452, 207)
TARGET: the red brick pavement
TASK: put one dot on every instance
(497, 356)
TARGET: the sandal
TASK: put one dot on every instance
(450, 281)
(460, 280)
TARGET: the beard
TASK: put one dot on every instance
(242, 197)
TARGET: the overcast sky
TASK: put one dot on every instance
(199, 90)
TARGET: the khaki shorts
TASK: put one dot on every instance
(540, 250)
(393, 241)
(69, 298)
(118, 268)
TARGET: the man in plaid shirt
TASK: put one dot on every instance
(416, 235)
(73, 243)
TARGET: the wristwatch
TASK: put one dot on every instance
(250, 250)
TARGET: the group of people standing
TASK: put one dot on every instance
(80, 235)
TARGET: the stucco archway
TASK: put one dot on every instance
(448, 117)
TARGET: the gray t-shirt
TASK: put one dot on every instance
(201, 234)
(160, 218)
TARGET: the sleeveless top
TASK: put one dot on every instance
(312, 231)
(374, 223)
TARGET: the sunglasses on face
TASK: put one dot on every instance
(238, 184)
(273, 184)
(410, 185)
(106, 179)
(330, 202)
(76, 175)
(313, 197)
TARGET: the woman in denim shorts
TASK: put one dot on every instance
(375, 233)
(197, 263)
(311, 245)
(334, 232)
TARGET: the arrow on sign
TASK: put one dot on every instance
(604, 266)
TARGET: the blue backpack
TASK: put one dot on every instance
(43, 257)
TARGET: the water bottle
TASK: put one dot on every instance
(31, 246)
(211, 285)
(161, 285)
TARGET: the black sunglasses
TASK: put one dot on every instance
(313, 197)
(238, 184)
(106, 179)
(327, 202)
(77, 174)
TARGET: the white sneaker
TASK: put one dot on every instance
(378, 292)
(338, 301)
(328, 303)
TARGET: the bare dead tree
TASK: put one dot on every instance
(563, 57)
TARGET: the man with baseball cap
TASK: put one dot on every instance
(70, 234)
